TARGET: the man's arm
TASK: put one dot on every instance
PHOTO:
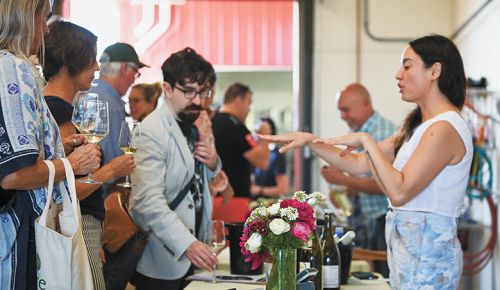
(282, 187)
(364, 184)
(258, 156)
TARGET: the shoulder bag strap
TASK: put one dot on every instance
(70, 180)
(50, 188)
(177, 200)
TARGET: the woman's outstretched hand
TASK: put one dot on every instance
(352, 141)
(291, 140)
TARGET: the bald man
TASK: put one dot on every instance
(355, 106)
(369, 202)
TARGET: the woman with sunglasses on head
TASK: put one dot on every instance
(423, 168)
(143, 99)
(28, 135)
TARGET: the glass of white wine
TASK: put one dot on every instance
(130, 141)
(78, 104)
(217, 240)
(94, 126)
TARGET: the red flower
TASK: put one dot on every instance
(306, 212)
(258, 226)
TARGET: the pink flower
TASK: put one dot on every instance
(264, 227)
(257, 259)
(306, 212)
(301, 230)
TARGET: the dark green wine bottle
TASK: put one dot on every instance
(331, 257)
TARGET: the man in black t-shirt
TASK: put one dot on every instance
(237, 148)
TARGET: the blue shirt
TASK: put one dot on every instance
(116, 108)
(380, 128)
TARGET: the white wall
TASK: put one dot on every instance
(479, 44)
(272, 95)
(335, 55)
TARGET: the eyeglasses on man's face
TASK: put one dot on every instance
(135, 69)
(190, 93)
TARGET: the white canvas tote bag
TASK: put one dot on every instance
(62, 259)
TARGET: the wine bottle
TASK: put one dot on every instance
(316, 260)
(303, 256)
(331, 257)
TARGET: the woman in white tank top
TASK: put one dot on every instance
(422, 169)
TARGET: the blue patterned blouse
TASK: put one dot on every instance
(27, 133)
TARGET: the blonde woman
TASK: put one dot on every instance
(28, 135)
(143, 99)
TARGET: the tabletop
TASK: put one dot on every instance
(223, 269)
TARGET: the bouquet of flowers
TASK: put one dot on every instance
(284, 224)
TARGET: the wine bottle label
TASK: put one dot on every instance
(330, 276)
(304, 265)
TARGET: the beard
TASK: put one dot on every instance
(190, 113)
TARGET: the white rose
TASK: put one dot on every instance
(273, 209)
(312, 201)
(279, 226)
(254, 242)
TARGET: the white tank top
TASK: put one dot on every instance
(445, 194)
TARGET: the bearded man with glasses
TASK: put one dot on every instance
(175, 163)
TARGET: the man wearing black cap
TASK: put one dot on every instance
(119, 68)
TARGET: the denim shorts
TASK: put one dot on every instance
(423, 250)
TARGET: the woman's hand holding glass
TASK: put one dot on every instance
(73, 141)
(91, 117)
(85, 159)
(129, 141)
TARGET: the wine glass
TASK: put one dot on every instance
(78, 105)
(217, 240)
(93, 125)
(130, 141)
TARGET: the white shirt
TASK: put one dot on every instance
(445, 194)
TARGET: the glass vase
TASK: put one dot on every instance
(282, 275)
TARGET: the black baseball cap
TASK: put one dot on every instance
(121, 52)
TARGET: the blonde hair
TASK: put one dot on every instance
(17, 25)
(151, 92)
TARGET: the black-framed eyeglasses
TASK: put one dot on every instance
(135, 69)
(191, 94)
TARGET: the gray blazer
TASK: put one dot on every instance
(164, 165)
